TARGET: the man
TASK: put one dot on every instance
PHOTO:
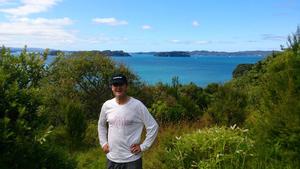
(126, 118)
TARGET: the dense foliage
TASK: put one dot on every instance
(241, 69)
(84, 77)
(22, 126)
(177, 102)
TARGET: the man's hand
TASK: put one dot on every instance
(135, 149)
(105, 148)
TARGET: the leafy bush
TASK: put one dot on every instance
(91, 134)
(75, 123)
(210, 148)
(165, 111)
(23, 141)
(27, 155)
(228, 106)
(176, 102)
(196, 95)
(273, 92)
(278, 128)
(241, 69)
(82, 76)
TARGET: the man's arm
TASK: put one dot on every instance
(102, 130)
(151, 129)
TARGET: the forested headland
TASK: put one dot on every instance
(49, 113)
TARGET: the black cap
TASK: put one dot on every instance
(118, 79)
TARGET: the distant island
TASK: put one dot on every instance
(104, 52)
(239, 53)
(208, 53)
(115, 53)
(173, 54)
(56, 52)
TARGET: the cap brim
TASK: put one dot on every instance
(120, 82)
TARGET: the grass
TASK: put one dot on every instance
(92, 158)
(210, 148)
(192, 145)
(166, 134)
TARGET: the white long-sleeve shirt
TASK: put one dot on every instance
(125, 126)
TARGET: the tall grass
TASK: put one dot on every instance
(216, 147)
(188, 145)
(92, 158)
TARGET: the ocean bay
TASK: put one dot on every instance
(200, 70)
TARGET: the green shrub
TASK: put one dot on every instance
(210, 148)
(25, 154)
(164, 111)
(192, 110)
(83, 76)
(59, 137)
(241, 69)
(91, 134)
(22, 138)
(228, 106)
(277, 129)
(75, 123)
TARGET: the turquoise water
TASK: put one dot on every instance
(201, 70)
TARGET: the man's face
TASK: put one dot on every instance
(119, 90)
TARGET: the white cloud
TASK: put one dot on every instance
(182, 42)
(102, 39)
(175, 41)
(30, 6)
(43, 21)
(145, 27)
(109, 21)
(273, 37)
(21, 30)
(195, 23)
(40, 31)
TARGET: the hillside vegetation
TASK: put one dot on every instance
(49, 113)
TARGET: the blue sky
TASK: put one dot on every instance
(148, 25)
